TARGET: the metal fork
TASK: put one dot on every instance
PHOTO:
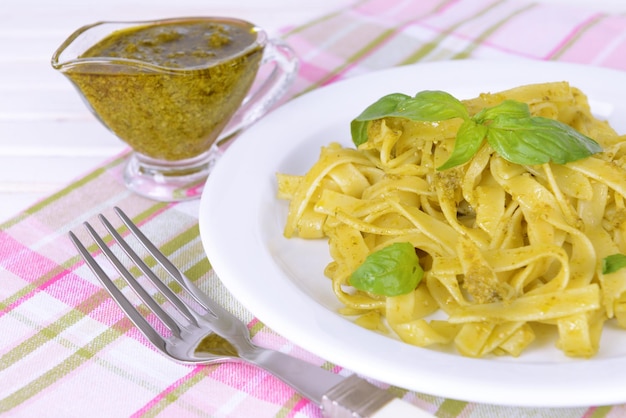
(202, 331)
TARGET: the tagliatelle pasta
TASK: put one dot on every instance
(507, 250)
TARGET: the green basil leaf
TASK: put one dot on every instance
(469, 138)
(509, 127)
(391, 271)
(358, 130)
(426, 106)
(613, 263)
(538, 140)
(383, 107)
(508, 108)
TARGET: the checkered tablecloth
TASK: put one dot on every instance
(66, 350)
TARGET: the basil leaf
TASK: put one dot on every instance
(469, 138)
(613, 263)
(426, 106)
(509, 128)
(358, 130)
(509, 108)
(538, 140)
(383, 107)
(391, 271)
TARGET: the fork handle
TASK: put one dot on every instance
(338, 396)
(356, 397)
(308, 379)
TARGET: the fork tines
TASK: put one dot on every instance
(115, 292)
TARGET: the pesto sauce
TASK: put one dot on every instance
(186, 80)
(216, 345)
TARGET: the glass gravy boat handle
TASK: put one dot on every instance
(264, 93)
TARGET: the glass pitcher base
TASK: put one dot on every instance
(169, 181)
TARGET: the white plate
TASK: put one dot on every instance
(282, 282)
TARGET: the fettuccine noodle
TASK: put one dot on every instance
(507, 250)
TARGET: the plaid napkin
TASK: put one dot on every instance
(67, 350)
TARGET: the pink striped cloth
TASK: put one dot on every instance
(66, 349)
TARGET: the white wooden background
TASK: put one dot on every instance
(47, 136)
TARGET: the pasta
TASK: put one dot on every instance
(508, 250)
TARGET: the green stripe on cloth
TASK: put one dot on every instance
(365, 49)
(287, 409)
(52, 331)
(600, 412)
(81, 356)
(171, 397)
(451, 408)
(76, 185)
(358, 55)
(33, 286)
(79, 184)
(467, 52)
(256, 328)
(570, 42)
(429, 47)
